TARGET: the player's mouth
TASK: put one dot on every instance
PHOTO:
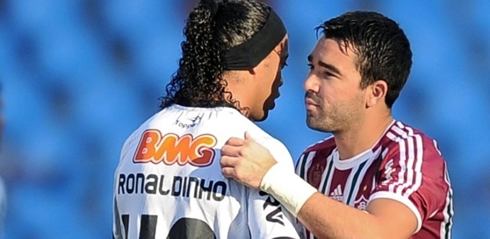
(310, 104)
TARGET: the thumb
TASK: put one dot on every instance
(247, 136)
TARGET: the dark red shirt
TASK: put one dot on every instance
(404, 165)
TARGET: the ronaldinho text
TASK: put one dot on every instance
(176, 186)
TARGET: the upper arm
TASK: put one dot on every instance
(397, 219)
(411, 185)
(116, 223)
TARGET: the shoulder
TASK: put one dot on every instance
(136, 133)
(404, 142)
(402, 135)
(320, 149)
(327, 144)
(275, 147)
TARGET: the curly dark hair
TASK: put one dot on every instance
(211, 29)
(382, 48)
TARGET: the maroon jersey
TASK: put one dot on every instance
(404, 165)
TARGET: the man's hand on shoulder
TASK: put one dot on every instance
(245, 160)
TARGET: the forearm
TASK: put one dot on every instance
(327, 218)
(323, 216)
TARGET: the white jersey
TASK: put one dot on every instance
(168, 183)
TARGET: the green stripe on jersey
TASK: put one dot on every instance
(303, 166)
(329, 170)
(354, 181)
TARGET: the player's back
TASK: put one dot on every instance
(169, 184)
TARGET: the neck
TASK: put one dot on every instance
(361, 137)
(236, 82)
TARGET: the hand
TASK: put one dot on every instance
(245, 160)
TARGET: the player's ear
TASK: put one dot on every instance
(376, 93)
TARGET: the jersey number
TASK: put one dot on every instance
(187, 227)
(147, 227)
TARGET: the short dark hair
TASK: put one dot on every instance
(382, 48)
(211, 29)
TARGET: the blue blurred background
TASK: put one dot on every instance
(80, 75)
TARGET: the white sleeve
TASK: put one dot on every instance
(266, 216)
(268, 219)
(117, 226)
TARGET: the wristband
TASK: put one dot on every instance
(288, 188)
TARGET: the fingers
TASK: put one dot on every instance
(232, 155)
(233, 146)
(227, 161)
(231, 151)
(235, 141)
(228, 172)
(228, 166)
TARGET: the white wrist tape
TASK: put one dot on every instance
(287, 187)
